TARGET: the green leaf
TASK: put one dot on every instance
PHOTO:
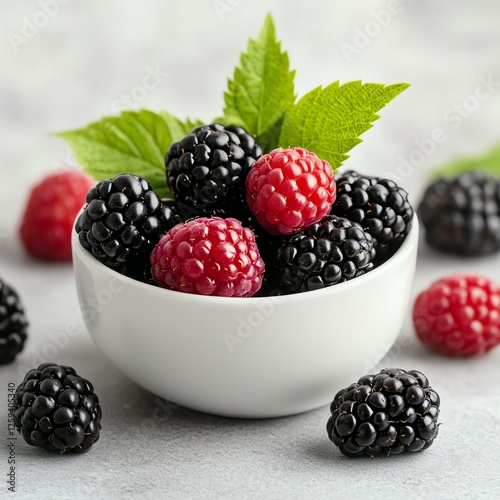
(177, 128)
(489, 162)
(134, 142)
(262, 88)
(329, 121)
(260, 97)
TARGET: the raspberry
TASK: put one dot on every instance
(379, 205)
(206, 170)
(290, 189)
(57, 410)
(462, 215)
(13, 324)
(459, 315)
(50, 213)
(122, 222)
(328, 252)
(209, 257)
(389, 413)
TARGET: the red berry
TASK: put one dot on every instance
(209, 256)
(459, 315)
(52, 208)
(290, 189)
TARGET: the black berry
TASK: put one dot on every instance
(13, 324)
(328, 252)
(388, 413)
(379, 205)
(206, 170)
(122, 222)
(57, 410)
(461, 215)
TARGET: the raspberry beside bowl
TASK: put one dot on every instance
(254, 357)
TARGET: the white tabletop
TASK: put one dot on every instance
(76, 67)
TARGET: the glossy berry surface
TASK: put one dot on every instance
(388, 413)
(459, 315)
(331, 251)
(57, 410)
(13, 324)
(290, 189)
(206, 170)
(379, 205)
(49, 216)
(122, 222)
(462, 215)
(209, 256)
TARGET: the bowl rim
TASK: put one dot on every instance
(406, 248)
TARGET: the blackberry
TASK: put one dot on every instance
(268, 245)
(328, 252)
(122, 222)
(379, 205)
(206, 170)
(57, 410)
(388, 413)
(461, 215)
(13, 324)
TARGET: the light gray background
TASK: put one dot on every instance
(74, 69)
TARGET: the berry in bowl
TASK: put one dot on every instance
(223, 314)
(229, 274)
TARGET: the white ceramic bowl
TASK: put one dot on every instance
(246, 357)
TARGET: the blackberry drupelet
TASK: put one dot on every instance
(379, 205)
(206, 170)
(13, 324)
(57, 410)
(122, 222)
(328, 252)
(461, 215)
(388, 413)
